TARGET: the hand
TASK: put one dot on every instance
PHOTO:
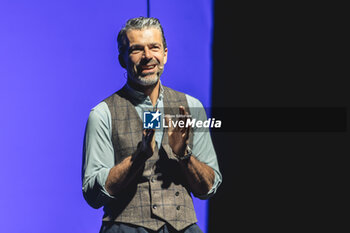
(146, 147)
(178, 136)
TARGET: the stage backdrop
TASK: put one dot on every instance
(58, 59)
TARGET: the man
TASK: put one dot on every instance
(143, 177)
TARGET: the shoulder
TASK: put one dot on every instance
(101, 108)
(100, 113)
(193, 102)
(196, 108)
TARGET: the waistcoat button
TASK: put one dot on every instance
(177, 194)
(178, 207)
(154, 206)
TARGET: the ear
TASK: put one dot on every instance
(165, 59)
(121, 61)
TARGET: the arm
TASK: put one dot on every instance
(123, 173)
(98, 156)
(199, 175)
(98, 160)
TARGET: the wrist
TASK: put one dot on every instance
(141, 154)
(186, 155)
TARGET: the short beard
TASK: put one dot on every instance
(145, 80)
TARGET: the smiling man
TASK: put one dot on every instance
(144, 177)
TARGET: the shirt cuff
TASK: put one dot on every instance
(94, 190)
(104, 195)
(212, 191)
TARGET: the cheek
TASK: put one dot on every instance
(134, 60)
(132, 66)
(160, 59)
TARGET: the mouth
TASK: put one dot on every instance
(145, 70)
(147, 67)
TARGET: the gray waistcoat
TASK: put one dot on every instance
(159, 194)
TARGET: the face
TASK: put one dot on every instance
(145, 57)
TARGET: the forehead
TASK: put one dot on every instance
(144, 36)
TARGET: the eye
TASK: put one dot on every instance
(135, 49)
(155, 47)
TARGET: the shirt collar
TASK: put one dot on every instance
(139, 97)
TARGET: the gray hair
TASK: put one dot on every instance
(138, 24)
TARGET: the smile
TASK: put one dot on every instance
(149, 67)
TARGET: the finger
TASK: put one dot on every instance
(144, 136)
(149, 134)
(146, 132)
(181, 113)
(153, 139)
(188, 117)
(182, 110)
(184, 118)
(168, 121)
(187, 132)
(180, 118)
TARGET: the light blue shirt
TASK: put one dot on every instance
(99, 152)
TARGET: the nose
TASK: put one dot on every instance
(147, 53)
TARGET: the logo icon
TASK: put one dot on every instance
(151, 120)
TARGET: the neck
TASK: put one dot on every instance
(152, 91)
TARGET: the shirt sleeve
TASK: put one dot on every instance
(98, 156)
(203, 148)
